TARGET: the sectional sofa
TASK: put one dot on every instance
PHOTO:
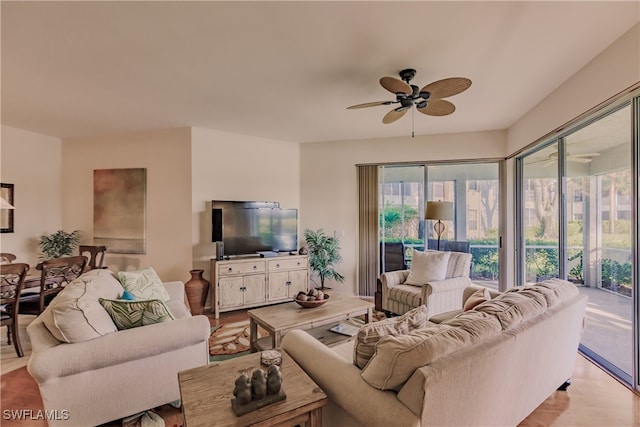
(489, 366)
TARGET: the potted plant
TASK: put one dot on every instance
(58, 244)
(324, 253)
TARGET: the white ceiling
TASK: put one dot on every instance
(288, 70)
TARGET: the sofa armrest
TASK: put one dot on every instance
(444, 295)
(341, 381)
(175, 290)
(389, 280)
(50, 362)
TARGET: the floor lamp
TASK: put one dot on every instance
(440, 211)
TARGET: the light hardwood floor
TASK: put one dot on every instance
(594, 399)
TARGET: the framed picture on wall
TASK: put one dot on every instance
(119, 210)
(7, 210)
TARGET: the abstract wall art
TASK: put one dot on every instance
(119, 210)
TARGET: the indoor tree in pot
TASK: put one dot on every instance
(324, 253)
(58, 244)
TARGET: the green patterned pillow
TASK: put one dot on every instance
(131, 314)
(144, 284)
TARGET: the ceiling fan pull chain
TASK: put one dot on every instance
(413, 119)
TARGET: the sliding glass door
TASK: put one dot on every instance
(575, 215)
(474, 190)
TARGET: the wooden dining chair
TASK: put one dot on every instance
(95, 255)
(11, 280)
(55, 274)
(7, 258)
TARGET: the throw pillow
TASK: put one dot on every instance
(427, 267)
(476, 298)
(75, 315)
(397, 357)
(369, 334)
(128, 296)
(132, 314)
(144, 284)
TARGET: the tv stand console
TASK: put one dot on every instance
(250, 282)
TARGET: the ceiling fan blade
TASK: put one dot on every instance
(394, 115)
(370, 104)
(584, 155)
(438, 107)
(447, 87)
(395, 86)
(579, 159)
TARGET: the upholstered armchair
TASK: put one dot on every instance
(436, 279)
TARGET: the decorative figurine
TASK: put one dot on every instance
(259, 384)
(242, 391)
(274, 379)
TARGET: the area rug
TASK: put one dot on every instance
(230, 340)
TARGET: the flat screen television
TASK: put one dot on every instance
(248, 230)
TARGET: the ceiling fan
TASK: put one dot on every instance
(427, 100)
(575, 158)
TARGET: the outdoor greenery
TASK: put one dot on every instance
(58, 244)
(324, 253)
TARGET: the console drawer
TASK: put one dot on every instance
(245, 267)
(288, 264)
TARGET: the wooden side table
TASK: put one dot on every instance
(206, 394)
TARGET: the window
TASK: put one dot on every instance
(472, 220)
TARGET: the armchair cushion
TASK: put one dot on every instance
(369, 335)
(427, 267)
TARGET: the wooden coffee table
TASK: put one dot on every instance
(280, 319)
(206, 394)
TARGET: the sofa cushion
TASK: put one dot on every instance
(75, 315)
(144, 284)
(397, 357)
(476, 298)
(556, 290)
(427, 267)
(369, 334)
(132, 314)
(514, 306)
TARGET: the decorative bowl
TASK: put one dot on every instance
(312, 304)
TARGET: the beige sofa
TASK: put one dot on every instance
(439, 296)
(106, 374)
(490, 366)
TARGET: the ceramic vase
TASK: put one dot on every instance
(196, 289)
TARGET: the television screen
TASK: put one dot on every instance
(250, 230)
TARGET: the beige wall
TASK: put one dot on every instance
(328, 180)
(33, 163)
(228, 166)
(166, 154)
(614, 70)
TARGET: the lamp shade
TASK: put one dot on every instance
(442, 211)
(4, 204)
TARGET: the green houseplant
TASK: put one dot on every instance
(58, 244)
(324, 253)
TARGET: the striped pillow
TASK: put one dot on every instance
(459, 264)
(371, 333)
(131, 314)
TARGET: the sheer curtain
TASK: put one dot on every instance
(367, 229)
